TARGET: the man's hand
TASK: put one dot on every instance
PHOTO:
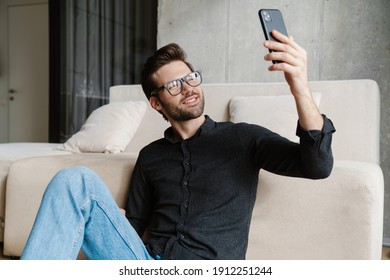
(123, 211)
(293, 62)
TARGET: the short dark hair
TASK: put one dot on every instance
(165, 55)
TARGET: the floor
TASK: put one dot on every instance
(385, 253)
(2, 257)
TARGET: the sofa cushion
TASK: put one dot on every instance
(108, 129)
(277, 113)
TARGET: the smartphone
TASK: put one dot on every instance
(272, 19)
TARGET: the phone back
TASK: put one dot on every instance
(272, 19)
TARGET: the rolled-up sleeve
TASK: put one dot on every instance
(316, 149)
(311, 158)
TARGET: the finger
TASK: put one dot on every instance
(281, 47)
(286, 53)
(281, 56)
(284, 67)
(289, 40)
(279, 36)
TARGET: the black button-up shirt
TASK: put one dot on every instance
(197, 195)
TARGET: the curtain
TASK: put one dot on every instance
(107, 42)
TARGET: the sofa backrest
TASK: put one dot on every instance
(352, 105)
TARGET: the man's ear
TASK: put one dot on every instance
(155, 103)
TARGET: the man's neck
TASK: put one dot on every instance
(186, 129)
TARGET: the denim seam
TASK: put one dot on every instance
(76, 237)
(117, 228)
(80, 229)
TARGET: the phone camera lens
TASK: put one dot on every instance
(266, 15)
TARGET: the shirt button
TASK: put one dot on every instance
(187, 163)
(185, 183)
(182, 236)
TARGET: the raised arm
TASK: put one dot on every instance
(294, 65)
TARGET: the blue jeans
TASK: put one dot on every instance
(78, 212)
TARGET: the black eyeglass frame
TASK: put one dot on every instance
(180, 80)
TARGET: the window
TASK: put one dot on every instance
(94, 44)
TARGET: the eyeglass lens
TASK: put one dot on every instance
(175, 87)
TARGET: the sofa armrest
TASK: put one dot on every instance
(340, 217)
(28, 178)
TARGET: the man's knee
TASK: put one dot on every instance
(71, 179)
(75, 173)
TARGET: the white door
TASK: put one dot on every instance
(28, 84)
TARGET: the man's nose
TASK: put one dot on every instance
(186, 88)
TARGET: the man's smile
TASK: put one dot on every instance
(192, 100)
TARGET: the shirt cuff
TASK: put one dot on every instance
(328, 128)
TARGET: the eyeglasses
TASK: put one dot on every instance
(175, 87)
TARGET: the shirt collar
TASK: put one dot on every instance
(205, 127)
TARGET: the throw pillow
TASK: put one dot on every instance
(108, 129)
(277, 113)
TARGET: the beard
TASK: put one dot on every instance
(180, 114)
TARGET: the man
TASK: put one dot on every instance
(195, 188)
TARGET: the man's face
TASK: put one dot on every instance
(187, 105)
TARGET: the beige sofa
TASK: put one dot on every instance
(340, 217)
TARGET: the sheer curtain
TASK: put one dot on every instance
(107, 42)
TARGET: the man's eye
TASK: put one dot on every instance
(191, 77)
(172, 84)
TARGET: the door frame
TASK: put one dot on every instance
(4, 62)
